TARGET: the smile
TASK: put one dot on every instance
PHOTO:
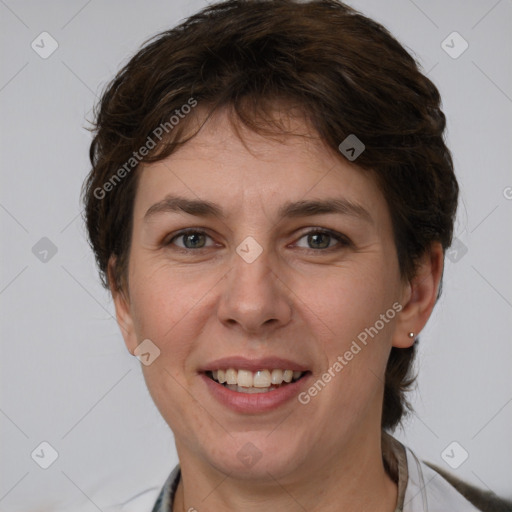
(260, 381)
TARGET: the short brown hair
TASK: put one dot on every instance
(345, 73)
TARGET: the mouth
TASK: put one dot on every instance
(254, 386)
(253, 382)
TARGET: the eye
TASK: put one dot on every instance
(318, 239)
(191, 239)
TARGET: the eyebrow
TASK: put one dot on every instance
(201, 208)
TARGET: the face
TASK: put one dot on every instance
(277, 262)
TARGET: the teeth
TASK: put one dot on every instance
(277, 376)
(261, 379)
(254, 382)
(250, 391)
(245, 378)
(231, 376)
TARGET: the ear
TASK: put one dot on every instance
(122, 305)
(419, 297)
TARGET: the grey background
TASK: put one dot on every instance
(66, 376)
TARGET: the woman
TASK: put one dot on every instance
(270, 203)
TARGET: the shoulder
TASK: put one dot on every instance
(430, 488)
(486, 501)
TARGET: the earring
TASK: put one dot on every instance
(411, 335)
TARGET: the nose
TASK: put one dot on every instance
(255, 298)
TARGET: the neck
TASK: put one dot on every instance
(354, 479)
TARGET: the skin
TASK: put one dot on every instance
(297, 300)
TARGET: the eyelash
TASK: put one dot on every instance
(343, 241)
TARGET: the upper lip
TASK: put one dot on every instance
(265, 363)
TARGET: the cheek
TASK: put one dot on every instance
(346, 301)
(354, 318)
(165, 307)
(165, 297)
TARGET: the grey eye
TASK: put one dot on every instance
(190, 240)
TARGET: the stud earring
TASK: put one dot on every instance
(411, 335)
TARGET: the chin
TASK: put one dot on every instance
(257, 457)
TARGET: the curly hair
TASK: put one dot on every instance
(346, 74)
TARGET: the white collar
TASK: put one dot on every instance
(428, 491)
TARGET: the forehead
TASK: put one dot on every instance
(235, 167)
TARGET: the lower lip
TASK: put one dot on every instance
(254, 402)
